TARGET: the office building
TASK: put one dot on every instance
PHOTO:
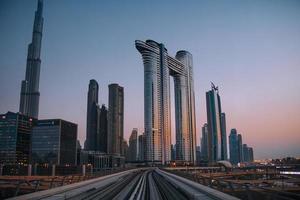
(233, 147)
(245, 153)
(92, 116)
(133, 146)
(240, 148)
(102, 129)
(204, 142)
(251, 156)
(213, 108)
(115, 119)
(54, 141)
(125, 149)
(30, 95)
(198, 155)
(99, 160)
(141, 147)
(158, 66)
(15, 135)
(223, 137)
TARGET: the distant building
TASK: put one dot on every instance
(204, 142)
(216, 140)
(133, 146)
(233, 147)
(78, 151)
(125, 149)
(224, 137)
(251, 156)
(92, 116)
(54, 141)
(15, 135)
(245, 153)
(173, 152)
(115, 119)
(141, 147)
(240, 148)
(100, 160)
(102, 130)
(198, 155)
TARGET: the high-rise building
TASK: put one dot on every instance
(204, 142)
(125, 149)
(15, 135)
(240, 148)
(245, 153)
(102, 130)
(141, 147)
(251, 157)
(54, 141)
(173, 152)
(233, 147)
(213, 107)
(115, 119)
(92, 116)
(133, 146)
(223, 137)
(30, 95)
(198, 154)
(158, 66)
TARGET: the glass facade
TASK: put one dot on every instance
(15, 134)
(54, 142)
(217, 141)
(158, 67)
(115, 119)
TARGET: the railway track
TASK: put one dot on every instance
(139, 184)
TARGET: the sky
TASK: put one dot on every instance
(250, 49)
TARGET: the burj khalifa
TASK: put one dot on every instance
(30, 95)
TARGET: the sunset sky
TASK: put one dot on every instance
(250, 49)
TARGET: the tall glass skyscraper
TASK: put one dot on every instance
(158, 67)
(204, 142)
(223, 137)
(30, 95)
(115, 119)
(217, 142)
(240, 148)
(102, 130)
(233, 147)
(92, 116)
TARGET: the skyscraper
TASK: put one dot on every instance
(213, 107)
(251, 156)
(240, 148)
(30, 95)
(233, 147)
(204, 142)
(54, 142)
(102, 130)
(115, 119)
(245, 153)
(223, 137)
(133, 146)
(158, 66)
(92, 116)
(141, 147)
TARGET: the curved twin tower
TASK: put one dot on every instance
(158, 66)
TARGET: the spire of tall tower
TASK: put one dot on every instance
(29, 101)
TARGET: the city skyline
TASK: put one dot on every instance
(257, 110)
